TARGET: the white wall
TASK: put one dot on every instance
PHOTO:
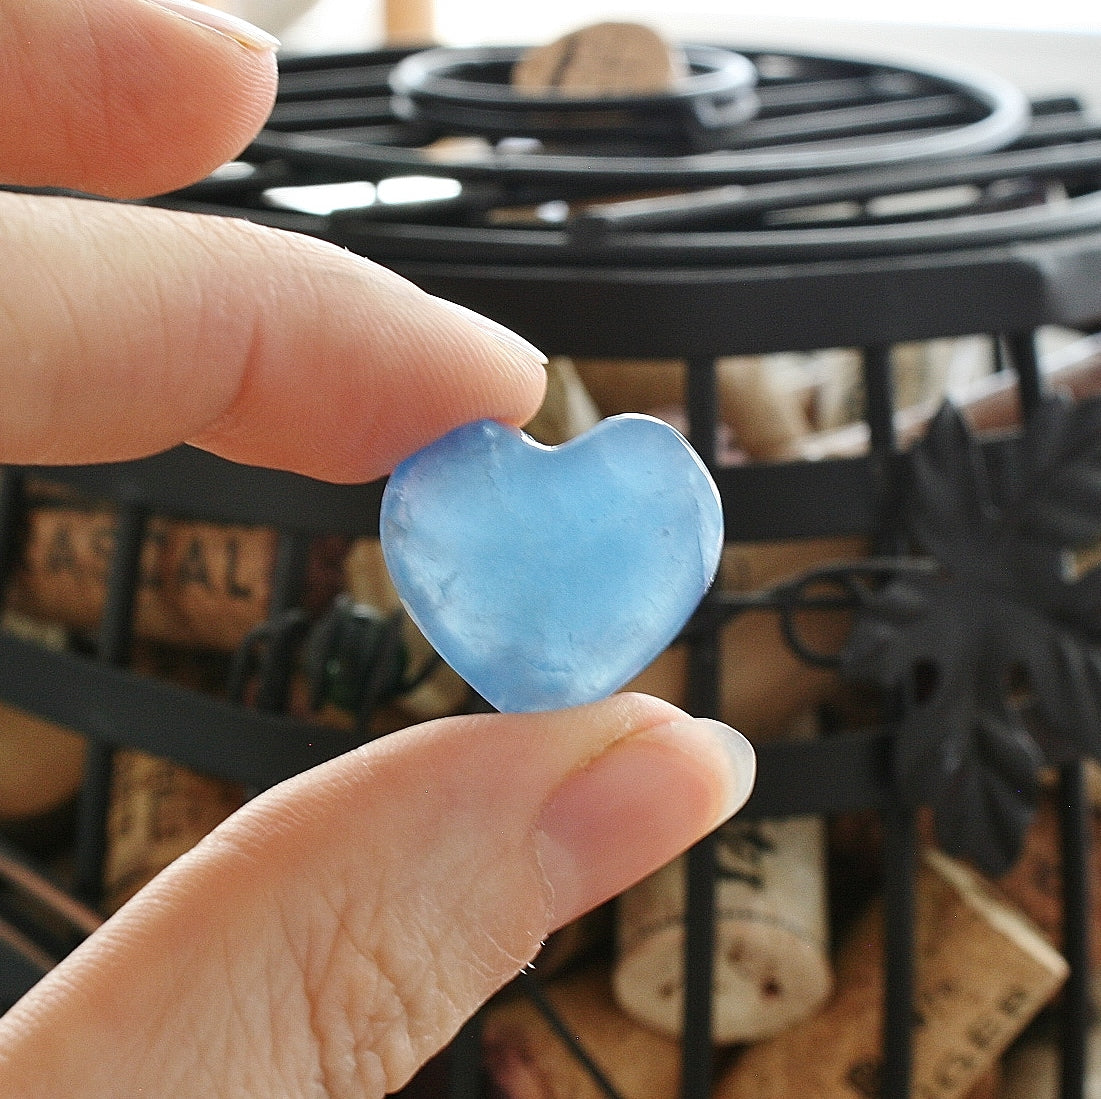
(1065, 57)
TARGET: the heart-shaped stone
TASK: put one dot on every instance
(549, 576)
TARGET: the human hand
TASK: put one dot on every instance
(125, 329)
(334, 933)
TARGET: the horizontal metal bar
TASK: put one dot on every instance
(310, 114)
(122, 709)
(193, 484)
(871, 118)
(835, 774)
(693, 207)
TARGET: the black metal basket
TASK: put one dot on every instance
(713, 272)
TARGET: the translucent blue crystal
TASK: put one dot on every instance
(549, 576)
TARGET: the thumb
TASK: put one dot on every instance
(336, 932)
(127, 97)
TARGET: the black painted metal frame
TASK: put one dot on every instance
(617, 313)
(695, 297)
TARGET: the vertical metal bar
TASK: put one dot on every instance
(899, 915)
(1074, 821)
(11, 511)
(900, 830)
(114, 643)
(879, 413)
(1021, 348)
(879, 399)
(465, 1062)
(1075, 828)
(287, 584)
(701, 401)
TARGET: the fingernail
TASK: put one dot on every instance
(232, 26)
(499, 332)
(637, 806)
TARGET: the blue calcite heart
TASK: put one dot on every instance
(549, 576)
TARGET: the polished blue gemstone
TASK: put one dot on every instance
(549, 576)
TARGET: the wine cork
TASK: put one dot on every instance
(158, 811)
(41, 764)
(989, 404)
(983, 971)
(632, 385)
(1035, 884)
(771, 960)
(603, 59)
(409, 22)
(768, 417)
(764, 684)
(568, 409)
(762, 399)
(201, 584)
(771, 964)
(989, 1085)
(525, 1059)
(1031, 1069)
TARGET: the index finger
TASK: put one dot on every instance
(126, 330)
(127, 97)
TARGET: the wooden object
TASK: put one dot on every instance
(409, 22)
(768, 418)
(990, 404)
(41, 764)
(771, 965)
(568, 409)
(765, 685)
(525, 1059)
(1034, 883)
(201, 584)
(603, 59)
(760, 402)
(159, 810)
(1031, 1068)
(983, 972)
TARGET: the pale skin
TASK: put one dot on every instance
(335, 933)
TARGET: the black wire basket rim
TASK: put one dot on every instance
(1005, 113)
(435, 73)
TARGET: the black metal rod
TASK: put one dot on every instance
(879, 399)
(701, 401)
(287, 584)
(1075, 828)
(464, 1060)
(899, 915)
(116, 633)
(734, 200)
(533, 989)
(91, 834)
(11, 511)
(699, 939)
(1021, 348)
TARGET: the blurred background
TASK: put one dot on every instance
(1044, 48)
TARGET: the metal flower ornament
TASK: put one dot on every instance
(993, 657)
